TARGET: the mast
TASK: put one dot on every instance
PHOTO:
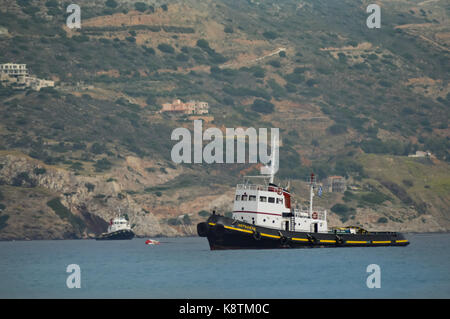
(273, 164)
(270, 171)
(311, 194)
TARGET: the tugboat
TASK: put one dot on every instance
(263, 218)
(119, 228)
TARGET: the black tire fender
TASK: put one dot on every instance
(311, 239)
(202, 229)
(284, 240)
(256, 235)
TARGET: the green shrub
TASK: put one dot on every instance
(343, 211)
(23, 179)
(90, 187)
(204, 213)
(408, 183)
(382, 220)
(337, 129)
(259, 73)
(173, 221)
(228, 29)
(374, 198)
(39, 170)
(187, 220)
(270, 35)
(274, 63)
(262, 106)
(98, 148)
(295, 78)
(340, 208)
(111, 3)
(102, 165)
(166, 48)
(140, 6)
(202, 43)
(182, 57)
(76, 166)
(3, 220)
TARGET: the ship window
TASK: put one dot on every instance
(252, 198)
(238, 197)
(279, 201)
(262, 198)
(244, 197)
(264, 220)
(273, 221)
(271, 199)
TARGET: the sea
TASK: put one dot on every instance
(186, 268)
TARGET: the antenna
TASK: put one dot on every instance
(273, 163)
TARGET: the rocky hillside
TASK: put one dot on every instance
(349, 101)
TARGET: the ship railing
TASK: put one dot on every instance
(252, 187)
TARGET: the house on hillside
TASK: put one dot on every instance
(17, 77)
(420, 154)
(335, 184)
(190, 107)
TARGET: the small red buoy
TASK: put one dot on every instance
(151, 242)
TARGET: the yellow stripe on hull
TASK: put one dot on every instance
(271, 236)
(381, 242)
(356, 242)
(238, 229)
(300, 239)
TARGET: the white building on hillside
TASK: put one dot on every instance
(17, 76)
(13, 69)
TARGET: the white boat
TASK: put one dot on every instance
(119, 228)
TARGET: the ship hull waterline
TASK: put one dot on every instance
(123, 234)
(227, 233)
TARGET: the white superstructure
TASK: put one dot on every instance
(270, 206)
(118, 223)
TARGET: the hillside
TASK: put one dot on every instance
(348, 100)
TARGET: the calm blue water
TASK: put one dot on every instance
(186, 268)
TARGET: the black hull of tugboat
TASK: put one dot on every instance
(226, 233)
(117, 235)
